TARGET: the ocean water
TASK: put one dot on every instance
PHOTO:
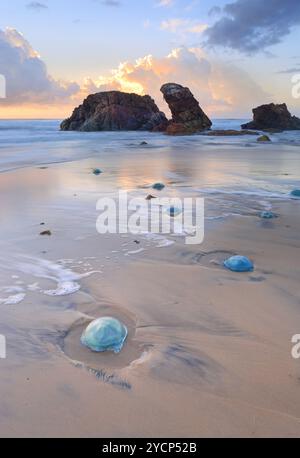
(260, 168)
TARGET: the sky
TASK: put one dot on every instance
(232, 54)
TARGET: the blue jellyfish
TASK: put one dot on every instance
(267, 215)
(239, 264)
(158, 186)
(97, 171)
(296, 193)
(173, 211)
(105, 334)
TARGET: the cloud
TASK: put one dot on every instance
(183, 26)
(165, 3)
(197, 28)
(26, 74)
(289, 70)
(37, 6)
(252, 25)
(111, 3)
(173, 24)
(220, 88)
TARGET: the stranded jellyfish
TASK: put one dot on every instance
(158, 186)
(239, 264)
(97, 171)
(267, 215)
(295, 193)
(173, 211)
(105, 334)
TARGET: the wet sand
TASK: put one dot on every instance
(208, 352)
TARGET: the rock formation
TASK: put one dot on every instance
(264, 138)
(116, 110)
(228, 133)
(187, 116)
(273, 117)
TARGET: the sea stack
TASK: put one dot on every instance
(115, 110)
(187, 116)
(273, 117)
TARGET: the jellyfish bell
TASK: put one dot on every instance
(239, 264)
(267, 215)
(173, 211)
(158, 186)
(105, 334)
(296, 193)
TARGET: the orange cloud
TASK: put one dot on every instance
(32, 92)
(219, 87)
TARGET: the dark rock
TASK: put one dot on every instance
(46, 233)
(143, 143)
(263, 138)
(176, 128)
(271, 116)
(114, 110)
(187, 116)
(229, 133)
(97, 171)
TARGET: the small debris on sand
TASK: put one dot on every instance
(46, 233)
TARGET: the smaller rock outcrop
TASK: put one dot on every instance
(229, 133)
(263, 138)
(187, 116)
(272, 117)
(115, 110)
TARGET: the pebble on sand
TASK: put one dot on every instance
(267, 215)
(105, 334)
(239, 264)
(158, 186)
(97, 171)
(46, 233)
(295, 193)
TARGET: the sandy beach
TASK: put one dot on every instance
(209, 351)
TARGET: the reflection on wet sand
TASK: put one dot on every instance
(202, 340)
